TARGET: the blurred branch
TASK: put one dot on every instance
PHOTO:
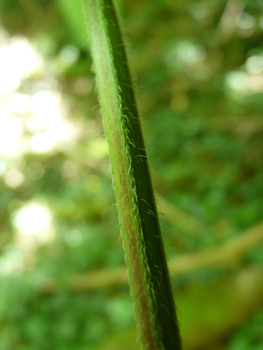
(222, 256)
(250, 127)
(244, 127)
(178, 217)
(229, 18)
(228, 303)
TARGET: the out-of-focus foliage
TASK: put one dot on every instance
(250, 336)
(198, 69)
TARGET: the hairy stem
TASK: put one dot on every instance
(142, 241)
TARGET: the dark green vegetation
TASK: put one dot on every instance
(198, 69)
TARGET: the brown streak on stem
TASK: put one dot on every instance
(124, 205)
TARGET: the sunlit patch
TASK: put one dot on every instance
(33, 223)
(18, 59)
(242, 83)
(246, 21)
(42, 114)
(42, 143)
(11, 261)
(190, 53)
(47, 123)
(254, 64)
(18, 103)
(245, 24)
(199, 11)
(3, 166)
(47, 111)
(11, 130)
(236, 81)
(69, 55)
(185, 54)
(98, 148)
(73, 237)
(255, 83)
(14, 178)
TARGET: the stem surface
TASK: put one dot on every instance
(142, 241)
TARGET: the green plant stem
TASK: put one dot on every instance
(145, 257)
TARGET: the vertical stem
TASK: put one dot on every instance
(142, 241)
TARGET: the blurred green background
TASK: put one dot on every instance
(198, 71)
